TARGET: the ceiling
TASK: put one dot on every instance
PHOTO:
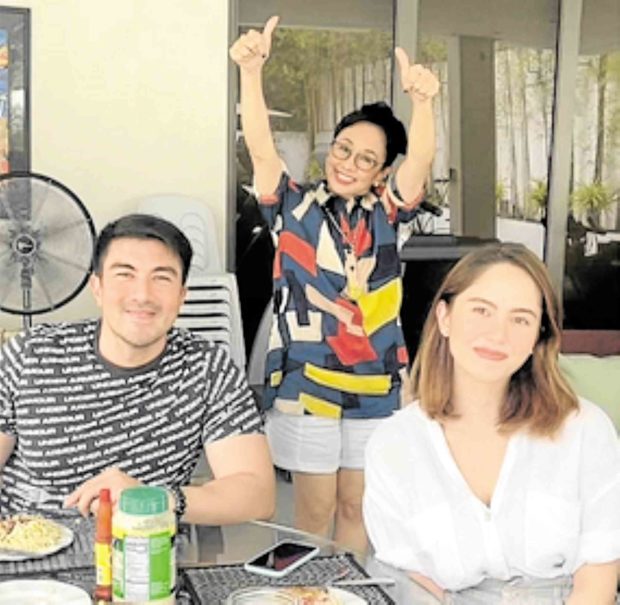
(531, 23)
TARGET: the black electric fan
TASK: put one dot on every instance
(46, 244)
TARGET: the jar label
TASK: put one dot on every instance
(103, 564)
(144, 567)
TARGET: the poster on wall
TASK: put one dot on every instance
(14, 91)
(4, 102)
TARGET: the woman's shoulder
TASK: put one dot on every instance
(588, 424)
(411, 413)
(404, 423)
(589, 416)
(408, 434)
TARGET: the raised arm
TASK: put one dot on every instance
(250, 52)
(421, 85)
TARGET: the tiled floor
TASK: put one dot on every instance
(284, 503)
(284, 495)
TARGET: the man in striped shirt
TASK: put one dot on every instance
(128, 399)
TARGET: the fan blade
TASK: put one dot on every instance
(69, 263)
(43, 287)
(4, 294)
(34, 214)
(8, 282)
(7, 208)
(61, 229)
(53, 236)
(5, 254)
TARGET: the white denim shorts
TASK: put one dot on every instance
(313, 444)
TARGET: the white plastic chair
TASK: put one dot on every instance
(211, 308)
(194, 217)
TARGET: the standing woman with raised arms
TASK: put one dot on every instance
(337, 352)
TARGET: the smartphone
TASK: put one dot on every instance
(282, 558)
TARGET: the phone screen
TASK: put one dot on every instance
(282, 556)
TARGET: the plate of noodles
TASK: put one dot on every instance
(295, 595)
(27, 536)
(41, 592)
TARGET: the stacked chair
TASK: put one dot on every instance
(211, 308)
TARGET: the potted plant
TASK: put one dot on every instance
(593, 200)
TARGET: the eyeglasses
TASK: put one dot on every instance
(363, 161)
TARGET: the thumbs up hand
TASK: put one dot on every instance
(419, 82)
(251, 50)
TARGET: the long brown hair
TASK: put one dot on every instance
(538, 398)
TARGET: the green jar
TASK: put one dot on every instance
(143, 557)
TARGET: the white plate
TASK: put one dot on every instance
(347, 598)
(262, 594)
(41, 592)
(65, 539)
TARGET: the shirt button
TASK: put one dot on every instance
(487, 515)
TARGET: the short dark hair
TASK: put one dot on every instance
(143, 226)
(381, 115)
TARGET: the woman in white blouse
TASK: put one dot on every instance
(497, 484)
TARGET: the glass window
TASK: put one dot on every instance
(496, 63)
(327, 58)
(592, 271)
(433, 53)
(315, 77)
(492, 65)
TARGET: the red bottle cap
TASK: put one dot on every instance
(103, 531)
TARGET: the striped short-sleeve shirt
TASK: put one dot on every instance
(74, 415)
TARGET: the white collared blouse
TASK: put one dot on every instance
(556, 504)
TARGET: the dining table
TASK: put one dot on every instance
(209, 562)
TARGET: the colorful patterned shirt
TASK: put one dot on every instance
(336, 347)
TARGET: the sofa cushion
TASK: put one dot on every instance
(596, 379)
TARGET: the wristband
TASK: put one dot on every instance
(180, 502)
(394, 189)
(397, 197)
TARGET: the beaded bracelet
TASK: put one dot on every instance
(180, 502)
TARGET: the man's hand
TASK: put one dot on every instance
(86, 497)
(251, 50)
(419, 82)
(7, 445)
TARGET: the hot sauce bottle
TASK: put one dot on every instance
(103, 548)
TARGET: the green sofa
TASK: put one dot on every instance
(596, 379)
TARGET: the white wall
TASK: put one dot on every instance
(129, 98)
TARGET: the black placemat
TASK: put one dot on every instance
(212, 585)
(77, 555)
(75, 563)
(85, 578)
